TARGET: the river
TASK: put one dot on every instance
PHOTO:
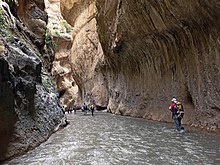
(107, 139)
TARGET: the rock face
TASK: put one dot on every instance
(152, 51)
(32, 14)
(86, 55)
(29, 107)
(61, 32)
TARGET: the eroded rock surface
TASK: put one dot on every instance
(162, 49)
(152, 51)
(29, 107)
(62, 72)
(86, 55)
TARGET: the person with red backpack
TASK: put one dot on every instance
(175, 115)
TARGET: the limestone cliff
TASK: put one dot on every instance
(61, 32)
(152, 50)
(86, 55)
(29, 107)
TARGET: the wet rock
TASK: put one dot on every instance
(29, 109)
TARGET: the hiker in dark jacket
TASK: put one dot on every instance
(84, 108)
(92, 108)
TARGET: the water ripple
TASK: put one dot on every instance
(107, 139)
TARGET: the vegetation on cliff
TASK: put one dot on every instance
(29, 109)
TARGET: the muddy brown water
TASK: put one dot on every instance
(107, 139)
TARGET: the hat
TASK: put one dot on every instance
(173, 99)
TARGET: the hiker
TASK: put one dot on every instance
(180, 112)
(180, 109)
(65, 118)
(66, 109)
(175, 114)
(92, 108)
(69, 110)
(74, 108)
(84, 108)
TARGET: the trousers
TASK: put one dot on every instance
(177, 121)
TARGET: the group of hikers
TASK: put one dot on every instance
(175, 107)
(177, 110)
(85, 108)
(70, 110)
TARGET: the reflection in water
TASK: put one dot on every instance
(106, 139)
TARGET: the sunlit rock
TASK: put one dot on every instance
(86, 54)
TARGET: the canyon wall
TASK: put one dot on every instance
(86, 55)
(142, 53)
(61, 32)
(30, 110)
(162, 49)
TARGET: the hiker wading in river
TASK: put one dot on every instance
(176, 115)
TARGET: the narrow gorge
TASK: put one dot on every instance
(129, 57)
(133, 57)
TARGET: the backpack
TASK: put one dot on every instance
(180, 110)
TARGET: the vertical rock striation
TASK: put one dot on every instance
(159, 49)
(146, 52)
